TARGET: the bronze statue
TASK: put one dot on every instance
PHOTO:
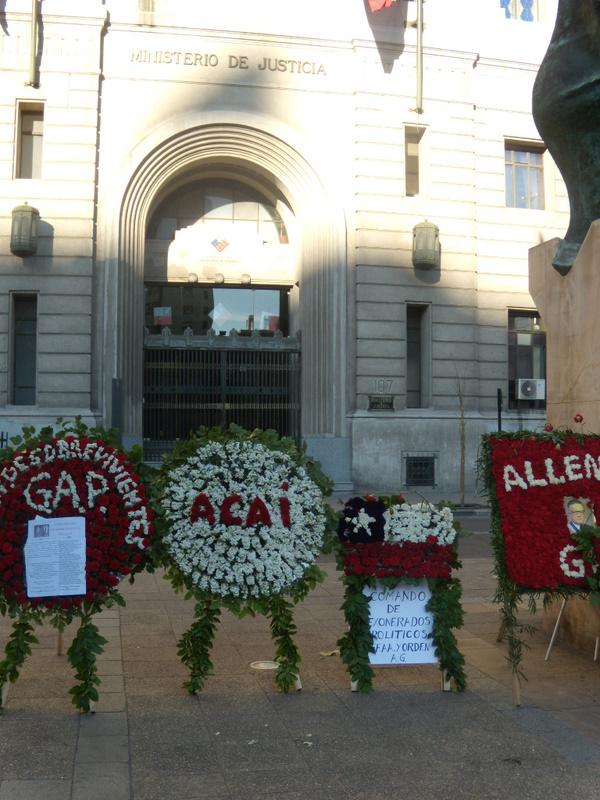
(566, 110)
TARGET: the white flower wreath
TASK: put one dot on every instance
(244, 520)
(416, 523)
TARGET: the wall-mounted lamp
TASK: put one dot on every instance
(23, 231)
(219, 278)
(426, 245)
(246, 279)
(192, 277)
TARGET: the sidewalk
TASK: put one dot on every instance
(240, 739)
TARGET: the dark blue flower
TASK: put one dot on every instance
(361, 521)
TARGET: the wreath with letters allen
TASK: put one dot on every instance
(73, 472)
(244, 521)
(544, 492)
(385, 541)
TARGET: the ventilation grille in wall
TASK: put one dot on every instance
(419, 469)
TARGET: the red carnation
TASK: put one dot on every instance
(578, 418)
(548, 427)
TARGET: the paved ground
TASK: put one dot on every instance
(240, 739)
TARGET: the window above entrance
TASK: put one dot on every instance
(201, 308)
(218, 204)
(218, 230)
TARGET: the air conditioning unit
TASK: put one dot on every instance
(531, 389)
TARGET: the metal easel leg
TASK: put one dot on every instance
(555, 631)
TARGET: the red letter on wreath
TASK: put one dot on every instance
(227, 517)
(284, 510)
(258, 513)
(202, 509)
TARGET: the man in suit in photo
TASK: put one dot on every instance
(578, 514)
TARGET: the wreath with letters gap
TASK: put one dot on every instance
(69, 472)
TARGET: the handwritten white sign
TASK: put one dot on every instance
(55, 556)
(400, 624)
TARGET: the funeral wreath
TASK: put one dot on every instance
(244, 521)
(544, 492)
(383, 541)
(73, 473)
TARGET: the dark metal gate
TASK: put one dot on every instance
(191, 381)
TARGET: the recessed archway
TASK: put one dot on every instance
(200, 151)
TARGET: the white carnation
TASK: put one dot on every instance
(416, 523)
(234, 559)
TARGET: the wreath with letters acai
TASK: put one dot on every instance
(245, 520)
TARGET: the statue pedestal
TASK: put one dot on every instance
(570, 309)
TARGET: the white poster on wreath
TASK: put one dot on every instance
(400, 624)
(55, 556)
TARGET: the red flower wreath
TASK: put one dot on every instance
(361, 531)
(532, 477)
(393, 560)
(74, 476)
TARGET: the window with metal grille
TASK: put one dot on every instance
(419, 469)
(216, 383)
(524, 175)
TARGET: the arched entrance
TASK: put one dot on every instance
(264, 162)
(220, 293)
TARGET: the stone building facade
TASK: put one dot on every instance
(261, 167)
